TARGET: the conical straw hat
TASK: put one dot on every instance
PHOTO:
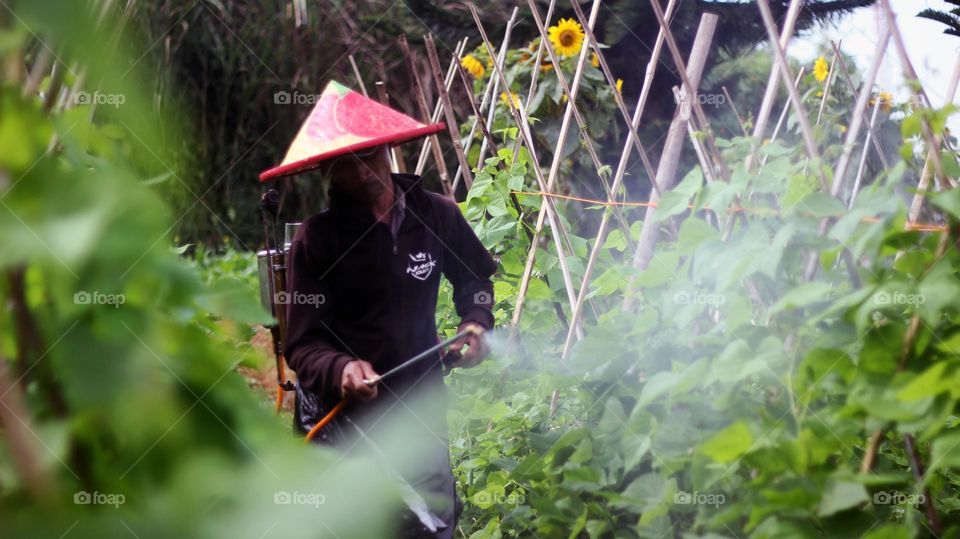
(342, 122)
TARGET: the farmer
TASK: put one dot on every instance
(363, 281)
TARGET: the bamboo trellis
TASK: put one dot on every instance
(688, 119)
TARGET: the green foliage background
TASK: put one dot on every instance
(738, 399)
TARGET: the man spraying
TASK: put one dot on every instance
(375, 257)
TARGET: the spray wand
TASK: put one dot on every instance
(470, 330)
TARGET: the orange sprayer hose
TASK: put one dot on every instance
(279, 398)
(326, 419)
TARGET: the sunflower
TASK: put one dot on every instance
(516, 99)
(620, 86)
(594, 60)
(473, 66)
(886, 101)
(566, 37)
(821, 69)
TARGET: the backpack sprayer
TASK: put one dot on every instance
(272, 270)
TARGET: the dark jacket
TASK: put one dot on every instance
(358, 291)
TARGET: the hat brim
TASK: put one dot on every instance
(314, 161)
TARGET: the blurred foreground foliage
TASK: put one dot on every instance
(122, 413)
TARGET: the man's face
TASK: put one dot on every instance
(362, 175)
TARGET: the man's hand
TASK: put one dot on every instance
(477, 350)
(352, 384)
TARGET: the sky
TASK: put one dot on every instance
(933, 53)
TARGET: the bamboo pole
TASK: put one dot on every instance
(736, 113)
(534, 72)
(489, 92)
(828, 84)
(451, 118)
(781, 65)
(425, 113)
(435, 117)
(783, 116)
(697, 144)
(918, 197)
(356, 73)
(618, 99)
(932, 139)
(17, 431)
(850, 142)
(863, 155)
(521, 121)
(873, 134)
(524, 112)
(770, 94)
(670, 157)
(478, 116)
(396, 155)
(488, 138)
(618, 178)
(571, 93)
(690, 90)
(863, 100)
(555, 163)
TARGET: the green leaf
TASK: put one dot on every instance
(678, 199)
(615, 241)
(910, 127)
(928, 384)
(662, 268)
(803, 295)
(945, 452)
(840, 495)
(889, 531)
(693, 232)
(799, 187)
(657, 385)
(948, 200)
(728, 444)
(822, 205)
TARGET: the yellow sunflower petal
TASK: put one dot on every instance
(821, 69)
(566, 37)
(473, 66)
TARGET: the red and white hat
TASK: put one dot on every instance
(342, 122)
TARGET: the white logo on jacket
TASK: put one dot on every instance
(421, 265)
